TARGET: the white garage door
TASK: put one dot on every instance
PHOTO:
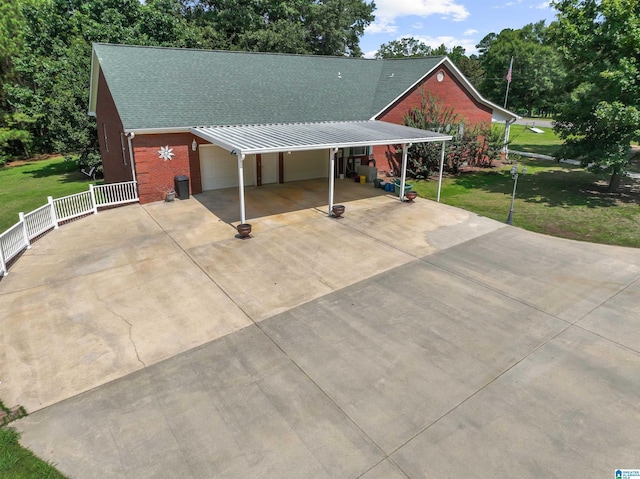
(219, 168)
(306, 165)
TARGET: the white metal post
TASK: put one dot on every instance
(54, 217)
(3, 264)
(403, 175)
(332, 180)
(24, 229)
(92, 194)
(444, 144)
(243, 218)
(505, 146)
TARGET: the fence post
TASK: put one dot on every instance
(54, 217)
(92, 193)
(3, 264)
(24, 230)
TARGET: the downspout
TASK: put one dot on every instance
(130, 136)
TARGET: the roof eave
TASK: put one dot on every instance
(476, 94)
(460, 76)
(93, 83)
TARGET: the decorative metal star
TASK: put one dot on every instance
(166, 153)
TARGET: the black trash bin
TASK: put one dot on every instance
(182, 187)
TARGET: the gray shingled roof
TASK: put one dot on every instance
(174, 88)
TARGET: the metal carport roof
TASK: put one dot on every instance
(243, 140)
(270, 138)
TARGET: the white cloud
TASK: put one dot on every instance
(508, 4)
(371, 54)
(541, 6)
(382, 26)
(388, 10)
(449, 42)
(469, 32)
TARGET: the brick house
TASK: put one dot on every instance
(225, 118)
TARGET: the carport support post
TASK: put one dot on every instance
(444, 143)
(243, 218)
(403, 176)
(505, 146)
(332, 180)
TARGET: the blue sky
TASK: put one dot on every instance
(452, 22)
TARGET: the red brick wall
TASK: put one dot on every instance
(155, 174)
(449, 91)
(115, 162)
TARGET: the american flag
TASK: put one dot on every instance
(510, 70)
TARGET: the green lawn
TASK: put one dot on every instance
(523, 139)
(17, 462)
(26, 187)
(559, 200)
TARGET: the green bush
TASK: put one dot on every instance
(476, 145)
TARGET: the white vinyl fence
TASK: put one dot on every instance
(47, 217)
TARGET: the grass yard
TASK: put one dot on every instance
(559, 200)
(26, 187)
(523, 139)
(17, 462)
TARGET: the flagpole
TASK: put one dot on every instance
(508, 82)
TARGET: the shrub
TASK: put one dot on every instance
(477, 145)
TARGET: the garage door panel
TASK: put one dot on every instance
(269, 168)
(219, 169)
(306, 165)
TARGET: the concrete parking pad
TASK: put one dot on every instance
(397, 352)
(236, 408)
(73, 335)
(618, 318)
(406, 340)
(283, 267)
(110, 239)
(561, 277)
(189, 223)
(570, 410)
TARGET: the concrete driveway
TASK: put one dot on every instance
(406, 340)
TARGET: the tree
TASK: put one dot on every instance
(600, 41)
(327, 27)
(45, 51)
(337, 25)
(412, 47)
(404, 47)
(537, 76)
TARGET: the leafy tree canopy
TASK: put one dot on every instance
(45, 51)
(537, 75)
(600, 42)
(412, 47)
